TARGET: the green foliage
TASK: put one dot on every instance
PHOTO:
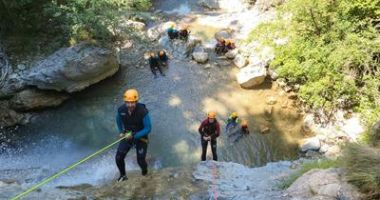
(65, 21)
(333, 51)
(316, 164)
(363, 169)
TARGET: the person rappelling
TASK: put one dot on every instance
(133, 123)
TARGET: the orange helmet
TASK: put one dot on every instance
(131, 95)
(162, 53)
(211, 115)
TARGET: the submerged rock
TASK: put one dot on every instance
(73, 69)
(9, 117)
(311, 144)
(32, 99)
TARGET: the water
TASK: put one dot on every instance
(177, 104)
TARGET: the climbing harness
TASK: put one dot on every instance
(47, 180)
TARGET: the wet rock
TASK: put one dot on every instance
(235, 181)
(240, 61)
(12, 84)
(154, 33)
(9, 117)
(21, 67)
(311, 144)
(287, 88)
(200, 57)
(323, 184)
(32, 99)
(251, 76)
(73, 69)
(281, 82)
(232, 54)
(324, 148)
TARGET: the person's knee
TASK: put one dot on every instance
(119, 156)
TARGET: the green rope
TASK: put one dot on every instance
(19, 196)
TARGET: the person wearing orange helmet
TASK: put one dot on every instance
(154, 64)
(163, 58)
(220, 47)
(184, 32)
(230, 45)
(209, 131)
(133, 123)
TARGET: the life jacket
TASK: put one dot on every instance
(133, 122)
(208, 128)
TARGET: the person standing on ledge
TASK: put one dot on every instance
(209, 131)
(134, 124)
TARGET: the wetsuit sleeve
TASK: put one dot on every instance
(119, 123)
(147, 128)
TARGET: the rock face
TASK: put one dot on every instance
(240, 61)
(233, 6)
(313, 144)
(322, 184)
(73, 69)
(9, 117)
(251, 76)
(235, 181)
(33, 99)
(232, 54)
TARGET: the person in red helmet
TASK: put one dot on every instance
(209, 131)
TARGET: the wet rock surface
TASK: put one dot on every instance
(73, 69)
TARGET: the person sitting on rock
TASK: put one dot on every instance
(154, 64)
(163, 58)
(230, 45)
(220, 47)
(172, 32)
(184, 33)
(232, 121)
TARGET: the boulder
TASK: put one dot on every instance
(240, 61)
(73, 69)
(322, 184)
(200, 57)
(133, 24)
(251, 76)
(154, 33)
(9, 117)
(232, 54)
(32, 99)
(311, 144)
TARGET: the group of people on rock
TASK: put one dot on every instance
(182, 33)
(157, 61)
(224, 45)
